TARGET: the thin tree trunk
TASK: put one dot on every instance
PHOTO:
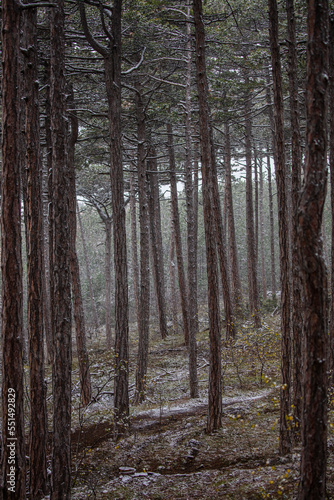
(296, 156)
(215, 389)
(271, 210)
(191, 254)
(221, 249)
(172, 277)
(312, 485)
(88, 271)
(280, 167)
(34, 242)
(235, 275)
(253, 290)
(134, 251)
(107, 270)
(177, 235)
(62, 359)
(263, 262)
(195, 191)
(78, 310)
(272, 237)
(156, 238)
(144, 298)
(13, 436)
(256, 208)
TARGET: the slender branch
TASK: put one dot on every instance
(91, 40)
(25, 6)
(105, 29)
(137, 65)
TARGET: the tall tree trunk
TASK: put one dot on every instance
(62, 358)
(253, 290)
(144, 297)
(88, 271)
(134, 251)
(156, 238)
(112, 62)
(13, 438)
(215, 389)
(191, 254)
(195, 191)
(49, 225)
(296, 156)
(112, 55)
(34, 242)
(107, 269)
(280, 167)
(263, 262)
(221, 248)
(45, 264)
(235, 275)
(256, 207)
(272, 237)
(177, 235)
(172, 277)
(78, 310)
(271, 210)
(331, 163)
(312, 483)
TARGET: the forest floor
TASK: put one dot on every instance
(167, 453)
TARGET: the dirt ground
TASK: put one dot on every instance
(167, 453)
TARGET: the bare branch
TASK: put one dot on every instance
(25, 6)
(167, 81)
(137, 65)
(91, 40)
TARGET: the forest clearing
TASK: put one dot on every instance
(167, 249)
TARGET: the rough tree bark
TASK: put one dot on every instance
(49, 201)
(134, 250)
(144, 294)
(45, 264)
(272, 237)
(34, 241)
(256, 207)
(62, 356)
(280, 168)
(177, 235)
(331, 163)
(215, 388)
(263, 262)
(296, 157)
(195, 191)
(312, 485)
(172, 277)
(13, 437)
(233, 251)
(191, 254)
(107, 269)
